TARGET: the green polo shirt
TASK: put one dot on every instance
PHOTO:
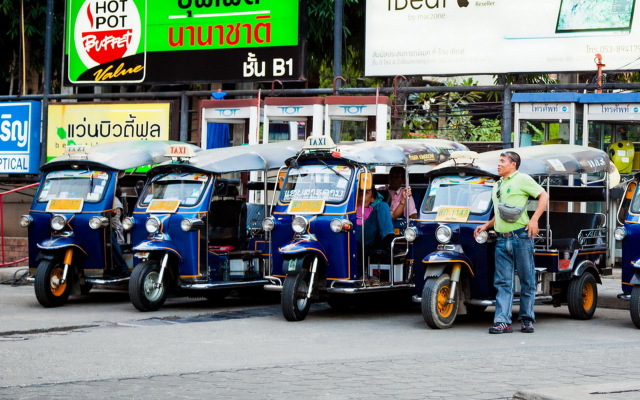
(515, 191)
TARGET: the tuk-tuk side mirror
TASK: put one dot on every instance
(281, 176)
(631, 189)
(366, 181)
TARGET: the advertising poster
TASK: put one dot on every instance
(451, 37)
(95, 123)
(20, 137)
(172, 41)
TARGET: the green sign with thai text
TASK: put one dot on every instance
(183, 41)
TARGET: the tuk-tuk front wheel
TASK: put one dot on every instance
(437, 311)
(145, 292)
(50, 290)
(582, 296)
(295, 304)
(634, 306)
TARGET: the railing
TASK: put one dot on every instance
(3, 263)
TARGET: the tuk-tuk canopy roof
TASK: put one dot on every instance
(119, 155)
(258, 157)
(553, 159)
(399, 151)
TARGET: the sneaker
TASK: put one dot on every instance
(527, 326)
(500, 327)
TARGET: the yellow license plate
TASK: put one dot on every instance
(453, 214)
(307, 207)
(65, 205)
(163, 206)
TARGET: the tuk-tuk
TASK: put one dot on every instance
(628, 233)
(196, 232)
(316, 251)
(71, 241)
(570, 252)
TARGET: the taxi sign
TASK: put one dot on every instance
(453, 214)
(319, 143)
(163, 206)
(65, 205)
(306, 207)
(77, 151)
(180, 151)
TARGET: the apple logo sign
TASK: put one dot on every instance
(463, 3)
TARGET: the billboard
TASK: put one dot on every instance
(172, 41)
(20, 137)
(455, 37)
(95, 123)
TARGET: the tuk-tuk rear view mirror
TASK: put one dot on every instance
(366, 181)
(281, 176)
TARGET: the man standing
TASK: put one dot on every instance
(514, 250)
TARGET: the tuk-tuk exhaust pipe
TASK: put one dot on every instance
(68, 256)
(163, 265)
(455, 278)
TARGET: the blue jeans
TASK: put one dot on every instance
(514, 253)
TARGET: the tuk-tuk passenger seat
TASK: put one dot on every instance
(566, 228)
(227, 224)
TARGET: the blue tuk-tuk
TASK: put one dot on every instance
(69, 230)
(316, 252)
(195, 231)
(456, 274)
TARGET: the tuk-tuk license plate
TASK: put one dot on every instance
(65, 205)
(163, 206)
(306, 207)
(453, 214)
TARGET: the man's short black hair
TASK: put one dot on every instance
(515, 157)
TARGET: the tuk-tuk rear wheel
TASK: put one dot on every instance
(144, 294)
(634, 306)
(437, 312)
(582, 296)
(295, 304)
(49, 291)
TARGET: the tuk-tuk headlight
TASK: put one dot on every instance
(189, 224)
(339, 225)
(268, 224)
(58, 222)
(620, 233)
(443, 234)
(128, 223)
(299, 224)
(25, 221)
(153, 225)
(411, 233)
(482, 237)
(98, 222)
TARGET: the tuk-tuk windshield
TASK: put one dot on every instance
(317, 182)
(187, 187)
(73, 184)
(473, 192)
(635, 204)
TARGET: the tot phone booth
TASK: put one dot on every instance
(546, 118)
(300, 117)
(612, 123)
(244, 113)
(364, 118)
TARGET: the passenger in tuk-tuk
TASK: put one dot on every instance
(400, 201)
(514, 249)
(120, 268)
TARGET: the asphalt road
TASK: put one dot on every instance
(99, 346)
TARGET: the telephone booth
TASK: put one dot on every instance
(612, 123)
(364, 118)
(244, 112)
(546, 118)
(292, 118)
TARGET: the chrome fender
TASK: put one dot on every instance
(436, 262)
(61, 242)
(589, 266)
(294, 254)
(635, 280)
(157, 246)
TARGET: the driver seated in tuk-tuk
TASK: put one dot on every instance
(378, 227)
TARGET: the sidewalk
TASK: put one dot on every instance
(9, 275)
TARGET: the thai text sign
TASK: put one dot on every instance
(454, 37)
(135, 41)
(95, 123)
(20, 137)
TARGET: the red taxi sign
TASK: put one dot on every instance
(178, 151)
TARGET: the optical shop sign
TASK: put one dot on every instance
(135, 41)
(91, 124)
(20, 137)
